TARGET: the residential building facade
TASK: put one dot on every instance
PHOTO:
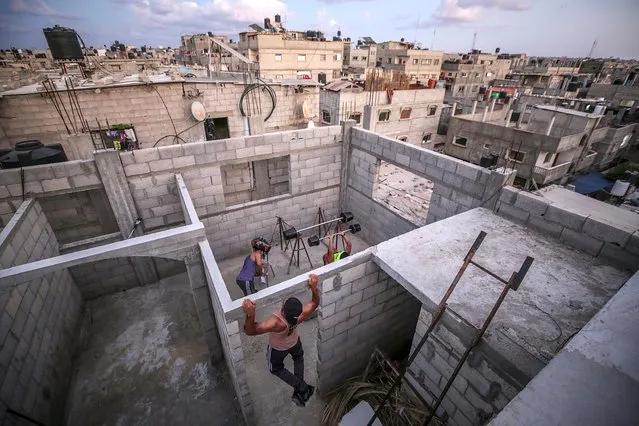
(470, 75)
(419, 64)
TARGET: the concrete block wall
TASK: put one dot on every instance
(237, 183)
(614, 243)
(96, 279)
(278, 174)
(141, 106)
(44, 181)
(459, 186)
(481, 389)
(315, 161)
(38, 322)
(361, 308)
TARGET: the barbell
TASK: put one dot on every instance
(292, 232)
(314, 240)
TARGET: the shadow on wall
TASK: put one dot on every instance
(104, 277)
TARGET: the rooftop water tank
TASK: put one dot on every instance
(32, 153)
(63, 42)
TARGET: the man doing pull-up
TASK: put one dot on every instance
(284, 339)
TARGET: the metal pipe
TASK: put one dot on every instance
(437, 313)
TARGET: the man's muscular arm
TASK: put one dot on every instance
(253, 328)
(312, 305)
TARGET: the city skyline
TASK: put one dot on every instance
(568, 28)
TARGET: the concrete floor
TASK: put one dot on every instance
(144, 361)
(403, 192)
(279, 260)
(271, 396)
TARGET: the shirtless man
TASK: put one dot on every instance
(284, 339)
(333, 256)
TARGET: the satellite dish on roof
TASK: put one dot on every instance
(198, 111)
(306, 108)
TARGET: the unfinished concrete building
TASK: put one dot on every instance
(419, 64)
(470, 75)
(410, 115)
(545, 145)
(158, 111)
(133, 321)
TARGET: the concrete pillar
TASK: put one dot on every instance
(256, 125)
(492, 106)
(483, 117)
(496, 181)
(202, 299)
(508, 117)
(452, 114)
(119, 195)
(552, 123)
(474, 108)
(367, 119)
(521, 115)
(347, 134)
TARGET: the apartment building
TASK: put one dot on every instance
(552, 143)
(418, 64)
(359, 58)
(410, 115)
(470, 75)
(293, 55)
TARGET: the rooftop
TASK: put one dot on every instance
(567, 111)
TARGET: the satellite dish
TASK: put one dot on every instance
(198, 111)
(310, 124)
(306, 108)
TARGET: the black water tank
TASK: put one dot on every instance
(32, 153)
(63, 42)
(488, 160)
(278, 18)
(321, 77)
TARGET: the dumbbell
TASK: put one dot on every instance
(346, 217)
(291, 233)
(314, 240)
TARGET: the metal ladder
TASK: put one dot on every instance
(511, 283)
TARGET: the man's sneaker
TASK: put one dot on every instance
(310, 390)
(298, 399)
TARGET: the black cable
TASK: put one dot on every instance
(256, 86)
(165, 107)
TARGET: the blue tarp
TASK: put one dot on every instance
(591, 182)
(184, 70)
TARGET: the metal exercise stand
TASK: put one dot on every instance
(298, 246)
(280, 225)
(512, 283)
(323, 227)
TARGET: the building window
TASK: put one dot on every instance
(486, 146)
(476, 74)
(355, 58)
(548, 157)
(482, 62)
(460, 141)
(337, 57)
(464, 74)
(450, 74)
(413, 76)
(402, 138)
(384, 115)
(278, 56)
(460, 89)
(322, 57)
(489, 74)
(404, 113)
(415, 61)
(279, 77)
(427, 61)
(490, 62)
(473, 88)
(326, 116)
(432, 110)
(433, 76)
(357, 116)
(516, 156)
(390, 60)
(427, 137)
(364, 58)
(439, 147)
(435, 61)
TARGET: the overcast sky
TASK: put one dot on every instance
(536, 27)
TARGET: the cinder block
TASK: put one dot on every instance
(619, 256)
(606, 232)
(85, 180)
(333, 320)
(186, 161)
(565, 218)
(348, 301)
(160, 165)
(52, 185)
(146, 155)
(508, 195)
(402, 159)
(534, 205)
(512, 212)
(632, 245)
(545, 227)
(581, 241)
(447, 163)
(467, 170)
(137, 169)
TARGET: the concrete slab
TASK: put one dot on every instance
(279, 260)
(271, 396)
(145, 362)
(578, 203)
(562, 291)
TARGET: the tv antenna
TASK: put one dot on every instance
(592, 49)
(474, 40)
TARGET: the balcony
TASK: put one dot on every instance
(544, 175)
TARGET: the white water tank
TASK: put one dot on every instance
(600, 110)
(620, 188)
